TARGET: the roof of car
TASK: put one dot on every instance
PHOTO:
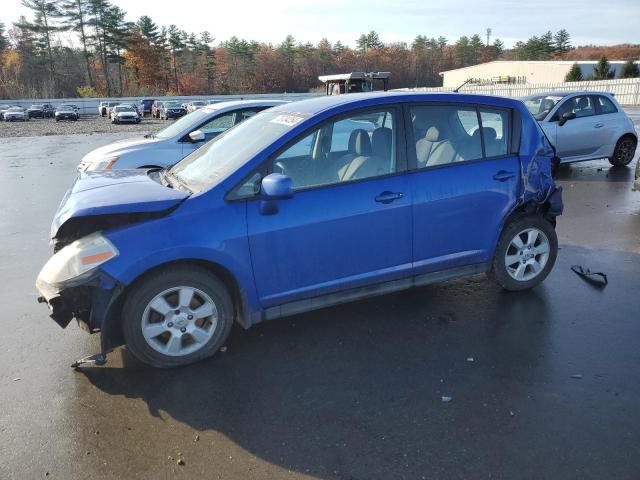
(243, 103)
(566, 93)
(321, 103)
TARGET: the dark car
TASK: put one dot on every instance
(145, 106)
(38, 111)
(171, 110)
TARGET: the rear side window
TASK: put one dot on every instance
(604, 105)
(445, 134)
(495, 131)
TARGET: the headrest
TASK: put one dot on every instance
(489, 133)
(359, 142)
(381, 141)
(433, 134)
(583, 102)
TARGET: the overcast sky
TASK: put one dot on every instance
(601, 22)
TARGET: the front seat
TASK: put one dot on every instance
(364, 164)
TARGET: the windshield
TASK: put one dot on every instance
(37, 106)
(541, 105)
(15, 109)
(198, 104)
(185, 122)
(172, 105)
(65, 107)
(226, 153)
(124, 108)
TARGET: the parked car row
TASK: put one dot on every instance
(16, 113)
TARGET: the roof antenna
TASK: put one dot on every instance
(455, 90)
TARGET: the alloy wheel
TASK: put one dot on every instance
(179, 321)
(527, 254)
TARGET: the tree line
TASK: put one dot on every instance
(111, 56)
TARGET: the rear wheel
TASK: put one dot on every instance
(525, 254)
(624, 151)
(177, 316)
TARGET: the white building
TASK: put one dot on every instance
(507, 71)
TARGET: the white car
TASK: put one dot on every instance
(124, 114)
(196, 105)
(173, 143)
(16, 114)
(585, 126)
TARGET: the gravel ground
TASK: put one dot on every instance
(37, 127)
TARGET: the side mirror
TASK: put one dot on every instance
(196, 136)
(566, 116)
(274, 187)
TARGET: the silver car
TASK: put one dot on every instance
(172, 144)
(585, 126)
(16, 114)
(124, 113)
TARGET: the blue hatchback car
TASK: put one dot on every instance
(305, 205)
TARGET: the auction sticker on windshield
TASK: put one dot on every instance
(288, 119)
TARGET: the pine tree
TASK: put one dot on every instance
(75, 13)
(148, 29)
(43, 27)
(602, 70)
(561, 42)
(630, 69)
(574, 74)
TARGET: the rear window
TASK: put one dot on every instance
(605, 105)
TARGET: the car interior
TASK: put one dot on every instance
(361, 146)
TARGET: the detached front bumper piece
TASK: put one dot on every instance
(93, 303)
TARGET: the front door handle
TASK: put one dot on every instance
(388, 197)
(598, 125)
(503, 176)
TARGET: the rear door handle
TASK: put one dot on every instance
(388, 197)
(598, 125)
(503, 176)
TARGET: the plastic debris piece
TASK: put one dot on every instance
(446, 399)
(577, 375)
(223, 349)
(597, 279)
(470, 359)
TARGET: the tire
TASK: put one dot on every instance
(624, 151)
(524, 261)
(139, 316)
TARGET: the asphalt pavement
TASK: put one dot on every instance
(542, 384)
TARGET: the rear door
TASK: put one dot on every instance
(464, 181)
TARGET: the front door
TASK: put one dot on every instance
(581, 136)
(348, 224)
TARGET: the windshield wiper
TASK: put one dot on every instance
(173, 179)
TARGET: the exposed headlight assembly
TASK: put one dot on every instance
(78, 259)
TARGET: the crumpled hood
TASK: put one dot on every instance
(114, 192)
(118, 148)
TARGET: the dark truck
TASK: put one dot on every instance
(354, 82)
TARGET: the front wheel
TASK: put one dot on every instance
(624, 151)
(525, 254)
(177, 316)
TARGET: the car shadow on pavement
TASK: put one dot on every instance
(356, 391)
(597, 170)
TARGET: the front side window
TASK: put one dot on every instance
(581, 105)
(218, 124)
(445, 134)
(359, 146)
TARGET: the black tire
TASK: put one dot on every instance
(624, 151)
(499, 271)
(144, 291)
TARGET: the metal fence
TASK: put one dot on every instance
(626, 90)
(89, 106)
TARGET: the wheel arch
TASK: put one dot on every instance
(111, 330)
